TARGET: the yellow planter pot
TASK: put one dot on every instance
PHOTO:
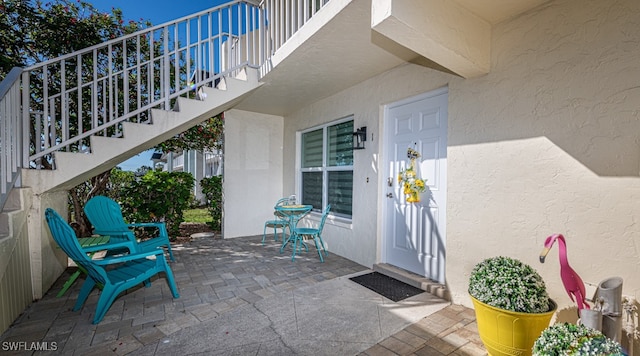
(504, 332)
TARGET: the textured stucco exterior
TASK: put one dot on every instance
(547, 142)
(252, 172)
(48, 261)
(357, 240)
(442, 31)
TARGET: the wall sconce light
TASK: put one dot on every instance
(359, 137)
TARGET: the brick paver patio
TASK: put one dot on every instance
(216, 277)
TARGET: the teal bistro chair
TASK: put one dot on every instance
(315, 233)
(279, 221)
(114, 274)
(106, 217)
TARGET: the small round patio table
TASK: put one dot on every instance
(294, 213)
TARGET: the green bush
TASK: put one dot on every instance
(212, 190)
(118, 180)
(509, 284)
(574, 340)
(158, 196)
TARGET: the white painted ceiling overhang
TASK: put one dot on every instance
(346, 43)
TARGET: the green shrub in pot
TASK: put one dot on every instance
(509, 284)
(574, 340)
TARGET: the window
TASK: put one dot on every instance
(327, 167)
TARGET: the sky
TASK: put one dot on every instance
(158, 12)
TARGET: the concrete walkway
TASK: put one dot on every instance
(238, 297)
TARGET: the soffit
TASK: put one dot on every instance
(337, 56)
(495, 11)
(341, 54)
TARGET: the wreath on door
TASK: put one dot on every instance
(412, 185)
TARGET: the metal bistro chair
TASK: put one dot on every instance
(280, 221)
(316, 234)
(123, 272)
(106, 217)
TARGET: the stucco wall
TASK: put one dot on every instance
(358, 241)
(48, 261)
(253, 163)
(547, 142)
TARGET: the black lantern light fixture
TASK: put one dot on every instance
(359, 137)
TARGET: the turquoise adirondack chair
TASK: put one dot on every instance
(93, 244)
(316, 233)
(106, 217)
(278, 221)
(123, 272)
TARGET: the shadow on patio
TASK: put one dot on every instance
(239, 297)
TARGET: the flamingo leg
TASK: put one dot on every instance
(581, 301)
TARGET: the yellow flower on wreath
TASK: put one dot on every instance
(411, 185)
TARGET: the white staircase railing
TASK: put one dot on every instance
(92, 91)
(10, 134)
(58, 104)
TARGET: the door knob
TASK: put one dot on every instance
(389, 195)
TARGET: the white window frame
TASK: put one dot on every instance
(324, 169)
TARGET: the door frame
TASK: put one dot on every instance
(384, 146)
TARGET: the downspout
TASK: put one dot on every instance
(610, 298)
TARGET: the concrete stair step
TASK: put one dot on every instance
(13, 204)
(412, 279)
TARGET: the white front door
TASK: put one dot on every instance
(414, 234)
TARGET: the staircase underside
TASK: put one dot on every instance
(107, 152)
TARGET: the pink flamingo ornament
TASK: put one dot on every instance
(572, 282)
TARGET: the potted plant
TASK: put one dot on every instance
(572, 340)
(511, 304)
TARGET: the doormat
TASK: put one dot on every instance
(386, 286)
